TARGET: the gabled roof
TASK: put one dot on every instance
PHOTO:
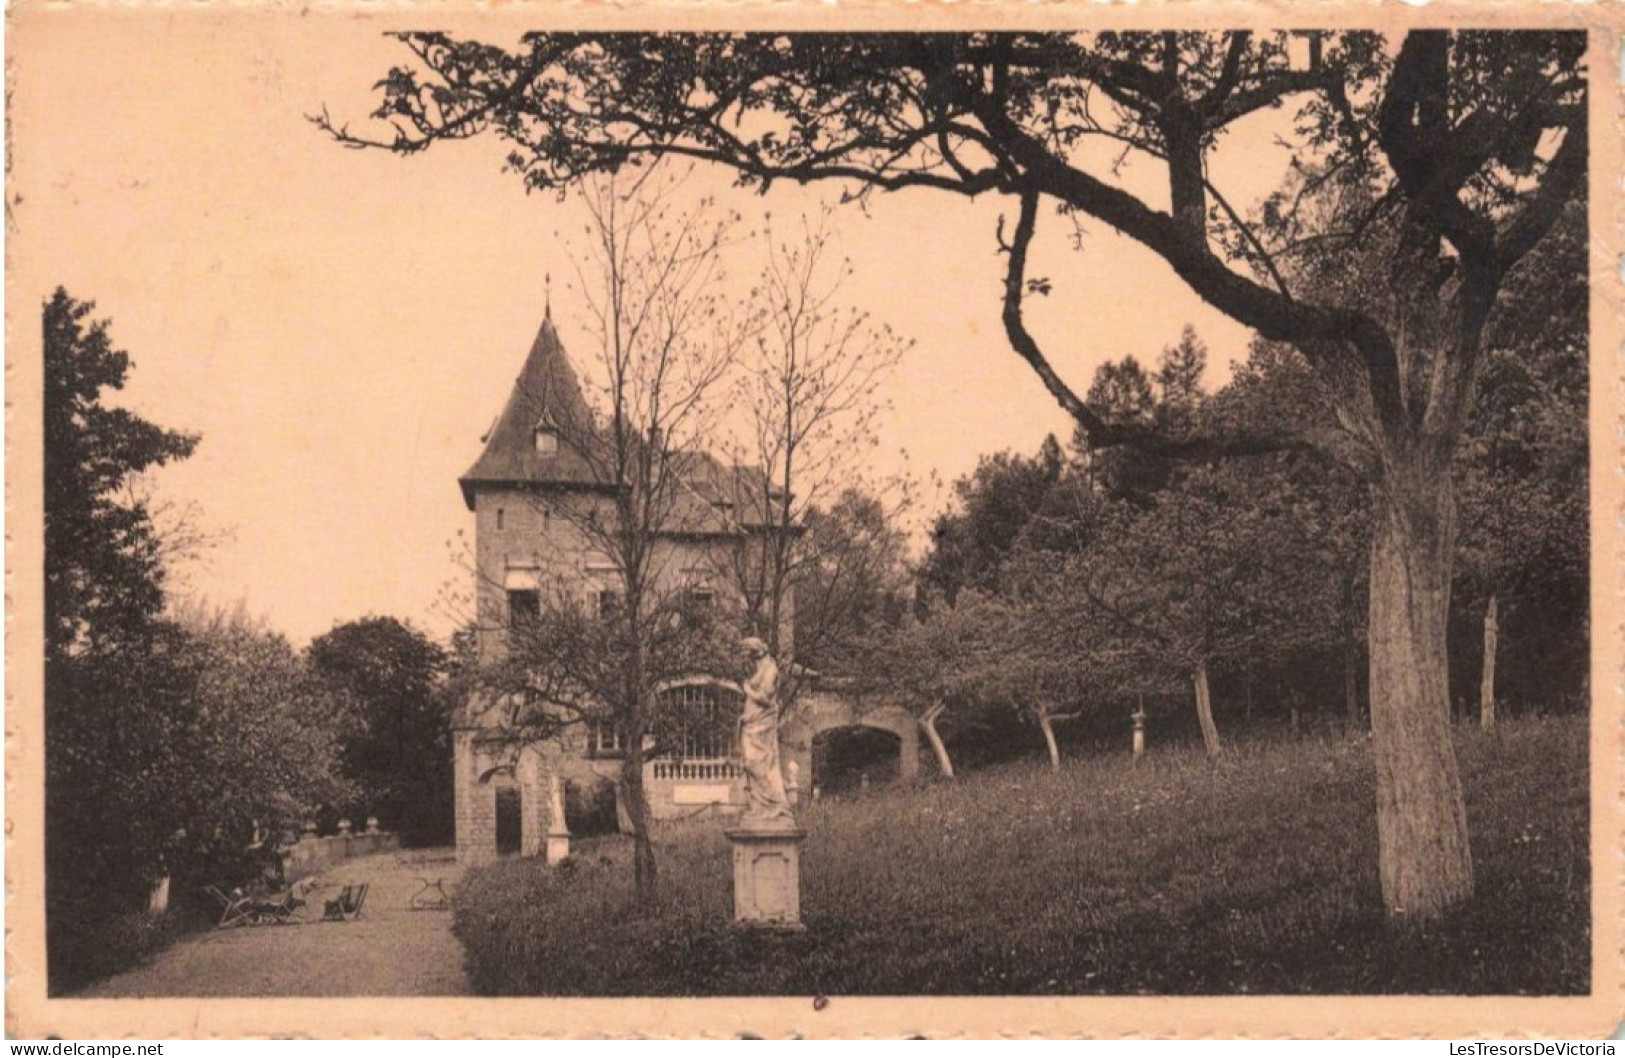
(716, 496)
(546, 393)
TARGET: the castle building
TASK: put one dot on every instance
(531, 491)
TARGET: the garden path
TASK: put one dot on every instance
(390, 950)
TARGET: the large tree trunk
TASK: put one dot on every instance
(637, 808)
(1204, 712)
(928, 724)
(1047, 726)
(1425, 861)
(1486, 686)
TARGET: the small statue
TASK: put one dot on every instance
(759, 739)
(792, 784)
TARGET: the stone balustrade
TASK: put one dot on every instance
(311, 854)
(717, 769)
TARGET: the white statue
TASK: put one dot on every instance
(759, 738)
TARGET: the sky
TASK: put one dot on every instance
(341, 326)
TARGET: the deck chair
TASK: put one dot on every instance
(347, 907)
(279, 910)
(235, 908)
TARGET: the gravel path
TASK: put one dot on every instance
(389, 951)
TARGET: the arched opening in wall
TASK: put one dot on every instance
(589, 807)
(845, 760)
(509, 820)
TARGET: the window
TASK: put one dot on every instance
(524, 607)
(606, 603)
(604, 739)
(547, 440)
(705, 724)
(703, 600)
(499, 518)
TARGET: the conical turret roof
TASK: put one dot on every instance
(546, 395)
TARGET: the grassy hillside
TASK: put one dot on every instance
(1173, 876)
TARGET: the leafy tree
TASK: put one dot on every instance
(1179, 374)
(982, 657)
(103, 571)
(1467, 145)
(1203, 577)
(854, 586)
(399, 753)
(995, 503)
(122, 734)
(268, 733)
(118, 714)
(1121, 395)
(1275, 392)
(1164, 405)
(1523, 481)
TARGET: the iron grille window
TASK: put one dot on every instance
(705, 725)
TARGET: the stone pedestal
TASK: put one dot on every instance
(558, 833)
(767, 875)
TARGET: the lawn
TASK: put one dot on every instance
(1172, 876)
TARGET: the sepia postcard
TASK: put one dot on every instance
(806, 520)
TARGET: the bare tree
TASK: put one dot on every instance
(808, 395)
(633, 486)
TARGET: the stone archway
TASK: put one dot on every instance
(848, 759)
(501, 797)
(820, 710)
(508, 818)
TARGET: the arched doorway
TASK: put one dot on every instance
(847, 759)
(509, 820)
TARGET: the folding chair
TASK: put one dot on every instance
(236, 909)
(347, 907)
(281, 910)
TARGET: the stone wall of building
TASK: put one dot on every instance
(535, 536)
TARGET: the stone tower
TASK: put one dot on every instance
(531, 462)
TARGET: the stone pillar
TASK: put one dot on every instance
(908, 751)
(474, 803)
(558, 831)
(533, 813)
(767, 875)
